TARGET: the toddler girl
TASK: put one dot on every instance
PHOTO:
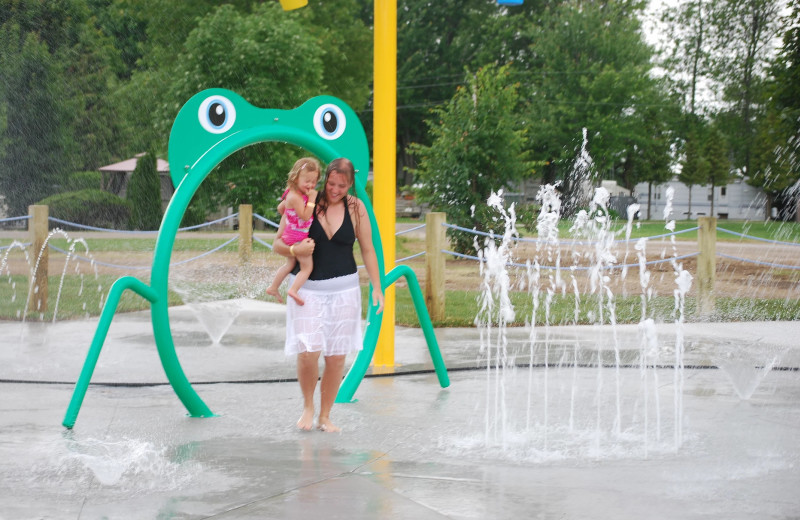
(297, 208)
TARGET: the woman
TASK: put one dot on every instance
(329, 321)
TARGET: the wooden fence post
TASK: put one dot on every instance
(435, 242)
(706, 264)
(38, 229)
(245, 232)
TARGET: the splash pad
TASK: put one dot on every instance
(409, 447)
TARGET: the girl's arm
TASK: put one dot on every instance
(304, 211)
(364, 236)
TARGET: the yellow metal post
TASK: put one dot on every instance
(384, 158)
(289, 5)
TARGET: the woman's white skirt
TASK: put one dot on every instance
(330, 320)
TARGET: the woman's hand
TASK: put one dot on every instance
(377, 300)
(304, 248)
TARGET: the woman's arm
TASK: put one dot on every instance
(303, 248)
(364, 236)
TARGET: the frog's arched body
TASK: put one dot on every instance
(212, 125)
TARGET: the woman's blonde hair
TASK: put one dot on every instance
(306, 163)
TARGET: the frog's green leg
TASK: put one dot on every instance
(362, 361)
(110, 307)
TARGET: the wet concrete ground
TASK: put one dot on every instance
(492, 445)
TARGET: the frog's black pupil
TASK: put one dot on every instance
(329, 121)
(216, 113)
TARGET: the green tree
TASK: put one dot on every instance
(694, 166)
(271, 60)
(748, 30)
(689, 47)
(124, 23)
(95, 125)
(785, 73)
(477, 148)
(83, 61)
(435, 41)
(55, 24)
(775, 154)
(774, 165)
(144, 194)
(34, 134)
(587, 66)
(346, 43)
(719, 165)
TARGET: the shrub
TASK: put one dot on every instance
(91, 207)
(144, 194)
(528, 216)
(83, 181)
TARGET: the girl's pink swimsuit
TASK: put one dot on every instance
(296, 228)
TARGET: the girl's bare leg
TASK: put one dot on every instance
(331, 380)
(280, 276)
(306, 265)
(307, 376)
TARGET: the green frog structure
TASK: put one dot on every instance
(212, 125)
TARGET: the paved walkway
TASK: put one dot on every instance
(513, 444)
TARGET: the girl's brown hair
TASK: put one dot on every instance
(306, 163)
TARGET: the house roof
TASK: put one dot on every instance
(128, 165)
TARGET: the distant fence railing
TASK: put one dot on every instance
(435, 228)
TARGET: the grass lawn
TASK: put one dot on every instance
(84, 295)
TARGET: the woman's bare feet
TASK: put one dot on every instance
(306, 421)
(324, 424)
(296, 297)
(275, 293)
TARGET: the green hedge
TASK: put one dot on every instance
(90, 207)
(83, 181)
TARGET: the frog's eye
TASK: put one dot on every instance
(216, 114)
(329, 121)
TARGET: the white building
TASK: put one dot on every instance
(737, 200)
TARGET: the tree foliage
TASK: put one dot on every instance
(271, 61)
(590, 68)
(34, 132)
(719, 165)
(775, 154)
(144, 194)
(751, 27)
(435, 41)
(477, 148)
(694, 166)
(86, 82)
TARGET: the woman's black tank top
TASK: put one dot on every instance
(332, 257)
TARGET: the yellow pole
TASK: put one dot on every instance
(384, 158)
(289, 5)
